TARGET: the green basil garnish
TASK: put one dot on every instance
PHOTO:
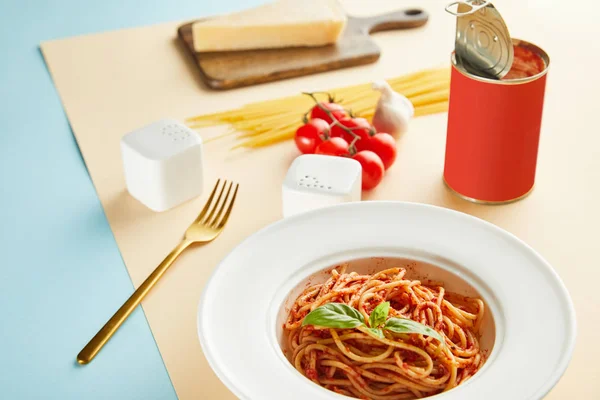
(379, 315)
(342, 316)
(377, 332)
(404, 325)
(334, 315)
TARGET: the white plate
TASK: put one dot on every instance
(242, 307)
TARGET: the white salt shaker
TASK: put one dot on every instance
(163, 164)
(315, 181)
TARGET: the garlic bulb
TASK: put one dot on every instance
(393, 111)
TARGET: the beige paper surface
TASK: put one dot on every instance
(114, 82)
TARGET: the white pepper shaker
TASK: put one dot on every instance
(163, 164)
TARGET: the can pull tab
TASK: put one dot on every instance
(483, 45)
(466, 7)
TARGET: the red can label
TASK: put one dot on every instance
(494, 129)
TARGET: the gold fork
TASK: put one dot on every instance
(205, 228)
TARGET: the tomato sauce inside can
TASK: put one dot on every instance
(526, 63)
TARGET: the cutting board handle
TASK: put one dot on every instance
(401, 19)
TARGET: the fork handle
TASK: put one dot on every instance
(95, 345)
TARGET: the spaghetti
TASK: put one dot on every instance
(266, 122)
(398, 366)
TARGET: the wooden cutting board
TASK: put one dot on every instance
(228, 70)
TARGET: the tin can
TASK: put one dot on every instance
(494, 124)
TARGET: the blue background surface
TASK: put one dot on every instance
(61, 274)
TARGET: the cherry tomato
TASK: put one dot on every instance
(384, 145)
(308, 136)
(335, 146)
(372, 168)
(359, 126)
(335, 109)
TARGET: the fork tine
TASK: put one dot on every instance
(229, 208)
(213, 221)
(213, 209)
(207, 205)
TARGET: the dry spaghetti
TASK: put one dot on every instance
(398, 366)
(267, 122)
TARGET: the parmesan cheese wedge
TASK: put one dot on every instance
(284, 23)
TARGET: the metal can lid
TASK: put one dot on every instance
(483, 45)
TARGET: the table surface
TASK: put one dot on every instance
(55, 239)
(61, 266)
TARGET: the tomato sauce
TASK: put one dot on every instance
(311, 374)
(526, 63)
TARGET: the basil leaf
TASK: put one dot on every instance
(376, 331)
(379, 315)
(334, 315)
(403, 325)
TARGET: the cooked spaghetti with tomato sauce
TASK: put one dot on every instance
(358, 363)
